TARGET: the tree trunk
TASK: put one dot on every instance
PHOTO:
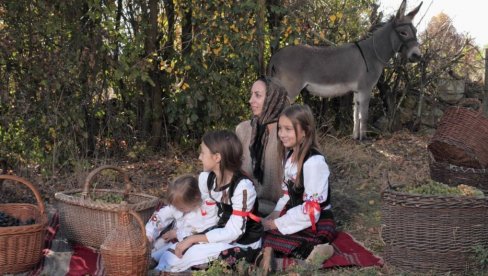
(274, 21)
(260, 35)
(156, 95)
(485, 98)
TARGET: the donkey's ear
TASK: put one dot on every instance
(401, 10)
(415, 11)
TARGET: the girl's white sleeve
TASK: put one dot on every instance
(283, 199)
(316, 183)
(160, 220)
(242, 201)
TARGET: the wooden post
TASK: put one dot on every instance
(485, 94)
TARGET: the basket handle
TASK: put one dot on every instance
(141, 224)
(86, 186)
(31, 186)
(471, 101)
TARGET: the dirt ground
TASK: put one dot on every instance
(359, 172)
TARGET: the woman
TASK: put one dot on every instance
(259, 139)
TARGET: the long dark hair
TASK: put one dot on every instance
(229, 146)
(300, 115)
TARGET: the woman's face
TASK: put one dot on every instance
(286, 133)
(258, 95)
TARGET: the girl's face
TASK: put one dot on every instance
(286, 133)
(210, 161)
(258, 95)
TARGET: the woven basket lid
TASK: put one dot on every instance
(126, 236)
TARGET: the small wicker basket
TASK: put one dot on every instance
(454, 175)
(88, 222)
(460, 138)
(125, 250)
(433, 234)
(21, 246)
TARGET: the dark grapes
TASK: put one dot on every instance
(7, 220)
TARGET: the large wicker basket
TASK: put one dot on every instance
(21, 246)
(125, 250)
(87, 221)
(461, 135)
(433, 234)
(454, 175)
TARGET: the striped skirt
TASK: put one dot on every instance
(300, 244)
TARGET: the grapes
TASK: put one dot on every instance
(440, 189)
(110, 198)
(7, 220)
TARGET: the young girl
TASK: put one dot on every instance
(188, 213)
(238, 233)
(302, 221)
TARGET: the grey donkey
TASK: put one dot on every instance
(353, 67)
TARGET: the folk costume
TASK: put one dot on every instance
(305, 218)
(238, 228)
(185, 224)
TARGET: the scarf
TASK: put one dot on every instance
(276, 100)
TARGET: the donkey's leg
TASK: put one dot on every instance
(293, 86)
(364, 98)
(355, 130)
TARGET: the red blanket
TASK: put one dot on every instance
(347, 252)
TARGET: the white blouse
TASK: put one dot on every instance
(242, 200)
(316, 183)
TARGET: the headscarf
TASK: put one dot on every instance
(276, 100)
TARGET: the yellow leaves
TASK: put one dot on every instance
(185, 86)
(296, 41)
(334, 17)
(234, 28)
(216, 51)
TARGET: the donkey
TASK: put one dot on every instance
(353, 67)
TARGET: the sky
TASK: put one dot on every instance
(469, 16)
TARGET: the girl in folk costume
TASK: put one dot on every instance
(238, 232)
(259, 140)
(188, 213)
(302, 223)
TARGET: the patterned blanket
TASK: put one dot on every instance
(64, 259)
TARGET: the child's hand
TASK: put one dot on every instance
(170, 235)
(182, 246)
(273, 215)
(269, 224)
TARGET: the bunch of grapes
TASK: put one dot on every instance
(441, 189)
(470, 191)
(110, 198)
(7, 220)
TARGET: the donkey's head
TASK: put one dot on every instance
(406, 33)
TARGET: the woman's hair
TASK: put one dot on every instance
(300, 115)
(228, 145)
(184, 190)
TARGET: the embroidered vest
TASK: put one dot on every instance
(254, 230)
(296, 193)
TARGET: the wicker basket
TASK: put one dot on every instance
(88, 222)
(21, 246)
(453, 175)
(125, 250)
(461, 135)
(433, 234)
